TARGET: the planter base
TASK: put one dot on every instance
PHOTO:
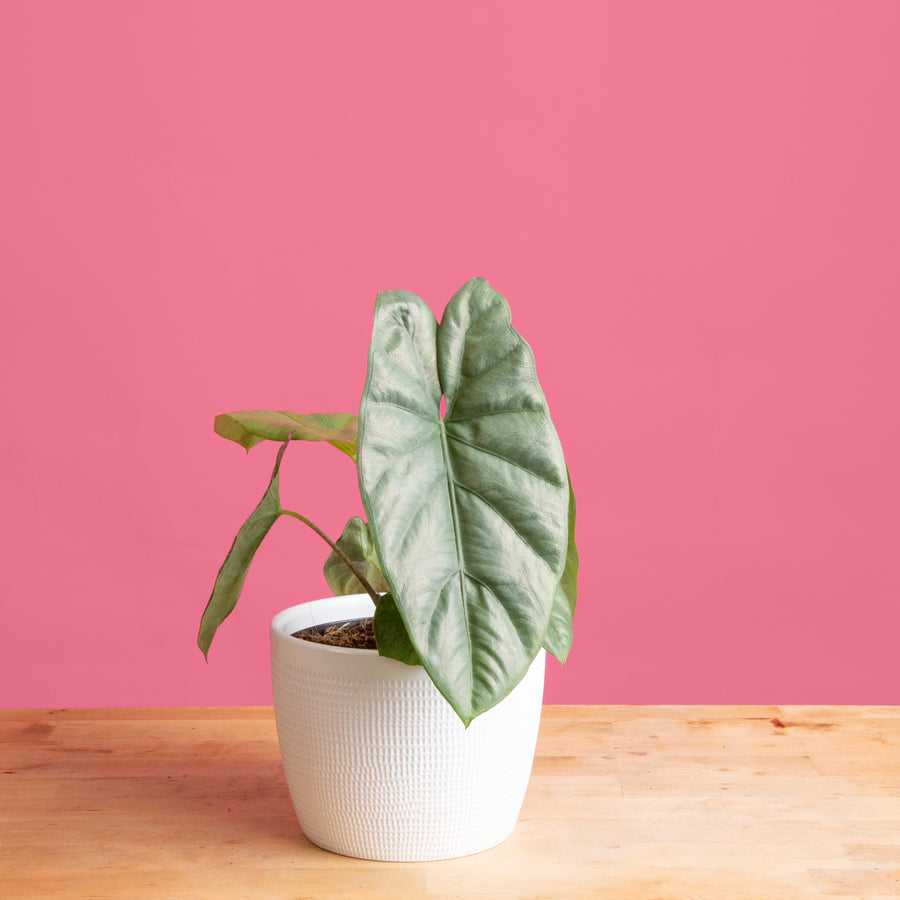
(378, 764)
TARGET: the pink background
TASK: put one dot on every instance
(693, 208)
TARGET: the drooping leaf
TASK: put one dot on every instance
(468, 513)
(558, 639)
(230, 580)
(356, 544)
(391, 634)
(252, 426)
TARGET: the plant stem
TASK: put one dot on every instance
(359, 576)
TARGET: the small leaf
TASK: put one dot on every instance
(230, 580)
(252, 426)
(391, 635)
(558, 639)
(356, 544)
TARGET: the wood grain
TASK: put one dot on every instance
(624, 802)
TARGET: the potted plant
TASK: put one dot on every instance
(466, 566)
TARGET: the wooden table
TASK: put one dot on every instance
(624, 802)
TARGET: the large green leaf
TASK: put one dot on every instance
(558, 639)
(357, 545)
(230, 580)
(250, 427)
(468, 512)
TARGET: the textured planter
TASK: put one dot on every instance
(378, 764)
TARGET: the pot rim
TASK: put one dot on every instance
(279, 625)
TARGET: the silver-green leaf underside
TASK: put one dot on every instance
(469, 513)
(558, 639)
(252, 426)
(357, 545)
(230, 580)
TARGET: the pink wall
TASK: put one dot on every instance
(694, 209)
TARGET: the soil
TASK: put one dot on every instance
(358, 634)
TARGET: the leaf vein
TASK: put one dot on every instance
(505, 459)
(500, 603)
(504, 518)
(495, 412)
(406, 409)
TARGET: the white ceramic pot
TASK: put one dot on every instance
(378, 764)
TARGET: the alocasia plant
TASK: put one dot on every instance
(469, 551)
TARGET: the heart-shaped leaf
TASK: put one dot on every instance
(468, 512)
(357, 546)
(252, 426)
